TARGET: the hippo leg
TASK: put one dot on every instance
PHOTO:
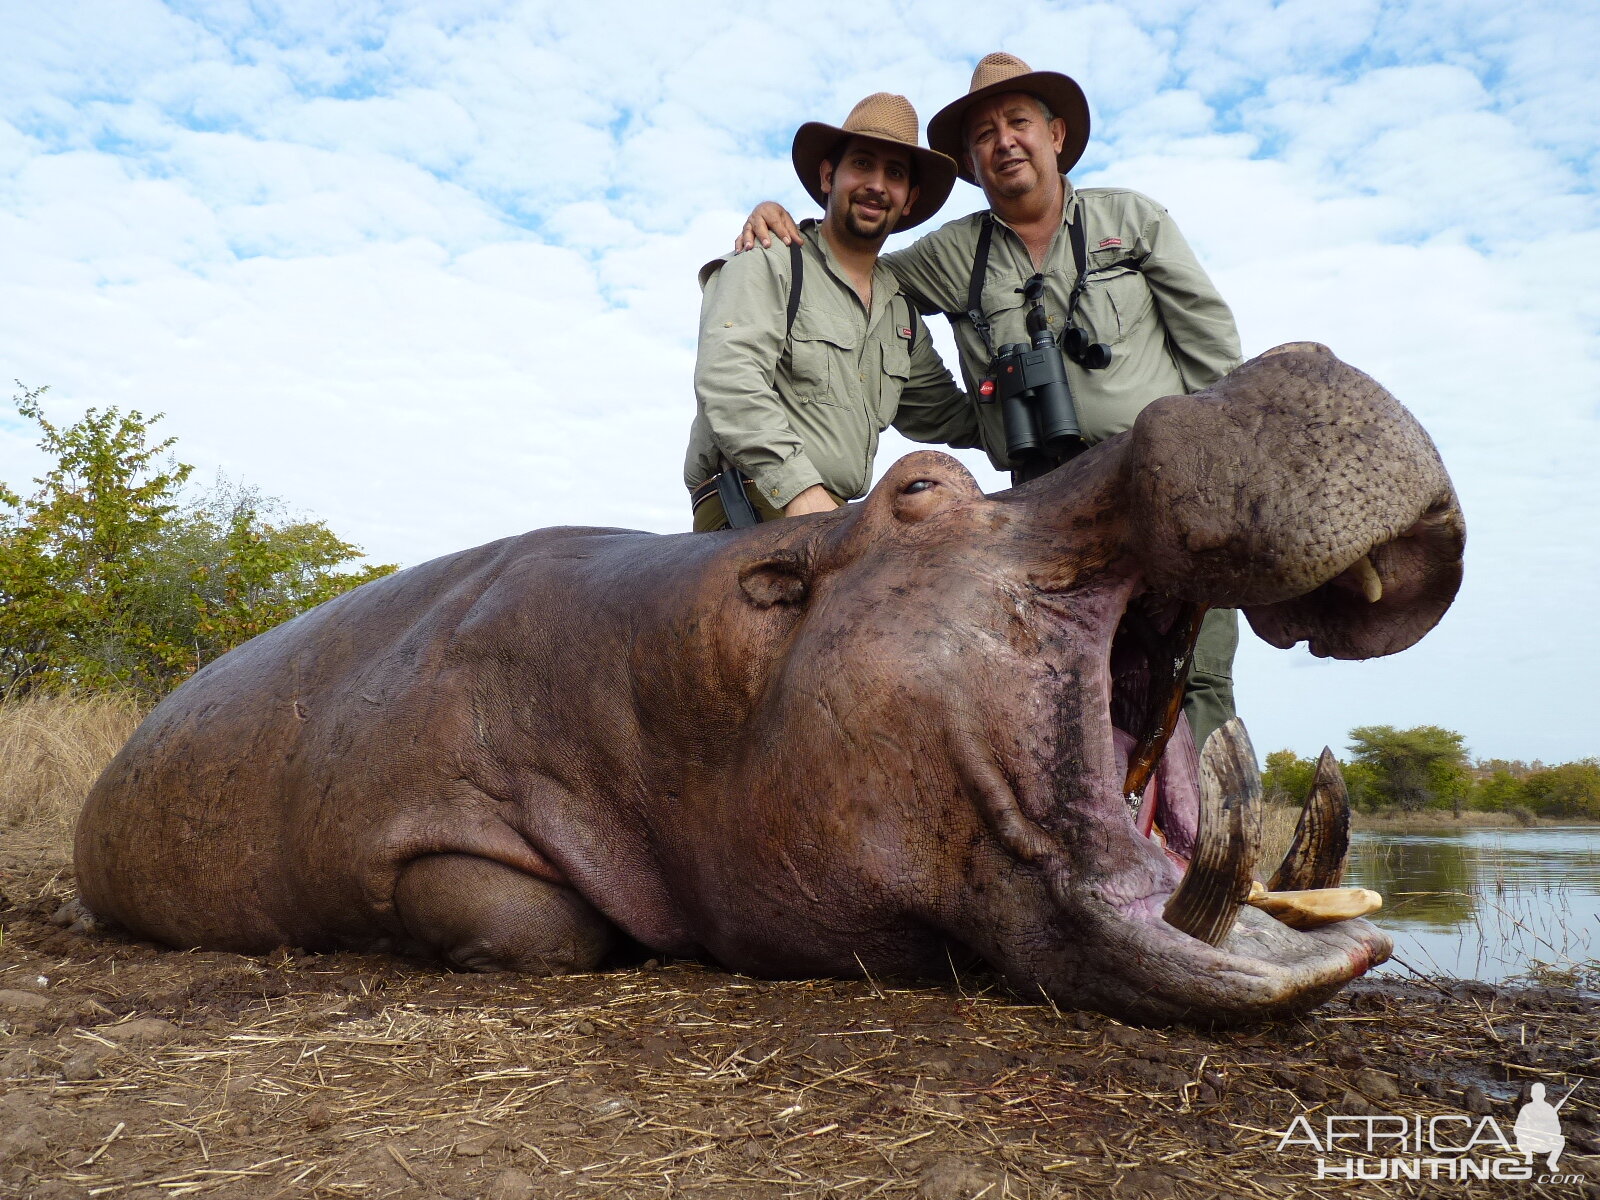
(481, 915)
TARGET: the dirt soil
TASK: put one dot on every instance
(131, 1071)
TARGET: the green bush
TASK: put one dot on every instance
(111, 577)
(1500, 792)
(1287, 778)
(1569, 790)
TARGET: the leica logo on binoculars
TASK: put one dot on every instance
(1030, 383)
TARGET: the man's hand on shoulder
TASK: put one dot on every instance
(769, 219)
(814, 499)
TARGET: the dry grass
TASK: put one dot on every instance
(1278, 822)
(1277, 831)
(127, 1070)
(52, 748)
(337, 1076)
(1435, 820)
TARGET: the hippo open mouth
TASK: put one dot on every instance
(1189, 912)
(1208, 822)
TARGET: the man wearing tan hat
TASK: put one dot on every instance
(1115, 268)
(807, 355)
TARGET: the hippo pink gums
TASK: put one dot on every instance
(887, 739)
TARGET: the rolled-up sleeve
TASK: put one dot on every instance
(742, 335)
(1202, 335)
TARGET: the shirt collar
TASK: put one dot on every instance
(1067, 194)
(884, 282)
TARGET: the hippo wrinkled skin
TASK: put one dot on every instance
(891, 738)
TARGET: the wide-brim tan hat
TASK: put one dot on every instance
(998, 73)
(882, 117)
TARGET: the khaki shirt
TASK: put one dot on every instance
(807, 408)
(1168, 330)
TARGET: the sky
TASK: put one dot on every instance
(427, 270)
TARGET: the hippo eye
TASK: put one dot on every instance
(920, 485)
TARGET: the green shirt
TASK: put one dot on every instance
(807, 407)
(1168, 329)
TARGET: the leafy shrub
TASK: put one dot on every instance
(112, 578)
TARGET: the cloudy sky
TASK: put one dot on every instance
(426, 270)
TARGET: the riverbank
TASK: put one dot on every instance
(126, 1069)
(1279, 821)
(1434, 821)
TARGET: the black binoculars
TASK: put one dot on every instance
(1030, 382)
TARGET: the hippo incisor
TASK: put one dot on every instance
(891, 738)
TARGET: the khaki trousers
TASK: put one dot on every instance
(1208, 696)
(710, 517)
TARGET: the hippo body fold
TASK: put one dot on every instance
(886, 739)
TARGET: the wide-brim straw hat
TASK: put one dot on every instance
(882, 117)
(998, 73)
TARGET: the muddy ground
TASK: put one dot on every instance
(130, 1071)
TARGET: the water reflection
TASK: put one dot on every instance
(1484, 903)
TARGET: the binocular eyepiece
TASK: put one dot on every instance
(1030, 382)
(1091, 356)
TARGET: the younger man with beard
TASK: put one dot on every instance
(794, 385)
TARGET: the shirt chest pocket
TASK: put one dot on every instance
(1003, 305)
(1116, 303)
(821, 347)
(895, 359)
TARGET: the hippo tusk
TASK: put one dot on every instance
(1311, 909)
(1170, 659)
(1367, 577)
(1315, 858)
(1206, 904)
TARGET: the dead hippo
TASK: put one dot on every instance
(887, 739)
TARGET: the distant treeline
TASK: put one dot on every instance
(113, 576)
(1429, 768)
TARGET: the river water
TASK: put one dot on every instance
(1484, 903)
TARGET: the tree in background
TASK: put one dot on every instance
(111, 578)
(1287, 778)
(1568, 790)
(248, 565)
(1426, 766)
(1415, 768)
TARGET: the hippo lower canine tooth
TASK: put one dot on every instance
(1222, 870)
(1315, 858)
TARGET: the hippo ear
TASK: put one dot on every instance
(782, 578)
